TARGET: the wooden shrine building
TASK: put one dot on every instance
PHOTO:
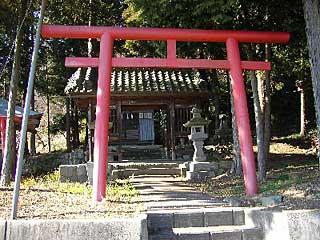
(33, 122)
(136, 96)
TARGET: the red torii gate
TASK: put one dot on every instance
(106, 61)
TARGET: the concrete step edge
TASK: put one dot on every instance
(196, 219)
(174, 208)
(159, 171)
(144, 169)
(196, 209)
(145, 166)
(214, 229)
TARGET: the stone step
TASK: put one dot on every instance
(186, 218)
(126, 173)
(143, 152)
(145, 165)
(164, 235)
(173, 205)
(217, 233)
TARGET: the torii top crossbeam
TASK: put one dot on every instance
(106, 61)
(184, 35)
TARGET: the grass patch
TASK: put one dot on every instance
(51, 182)
(278, 180)
(123, 191)
(283, 181)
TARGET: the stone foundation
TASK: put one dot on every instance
(199, 171)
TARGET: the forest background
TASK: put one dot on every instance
(280, 102)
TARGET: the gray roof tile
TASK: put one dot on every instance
(138, 81)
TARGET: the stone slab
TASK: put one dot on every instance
(89, 169)
(73, 173)
(238, 217)
(195, 219)
(126, 173)
(164, 235)
(232, 235)
(111, 229)
(193, 236)
(203, 166)
(2, 229)
(218, 218)
(252, 234)
(160, 221)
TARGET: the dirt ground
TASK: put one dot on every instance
(292, 172)
(45, 202)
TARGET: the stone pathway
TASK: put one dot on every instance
(177, 211)
(167, 192)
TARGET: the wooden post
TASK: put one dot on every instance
(172, 129)
(68, 135)
(90, 147)
(119, 120)
(76, 126)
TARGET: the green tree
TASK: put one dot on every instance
(9, 152)
(238, 15)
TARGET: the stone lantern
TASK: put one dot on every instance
(198, 169)
(198, 135)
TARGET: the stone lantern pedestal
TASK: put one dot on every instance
(199, 168)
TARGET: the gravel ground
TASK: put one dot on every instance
(36, 203)
(292, 173)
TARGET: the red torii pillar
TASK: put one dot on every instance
(3, 124)
(105, 62)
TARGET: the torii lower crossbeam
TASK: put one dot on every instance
(105, 62)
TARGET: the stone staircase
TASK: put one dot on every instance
(142, 152)
(161, 168)
(200, 224)
(176, 211)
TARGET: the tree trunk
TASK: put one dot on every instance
(312, 17)
(215, 94)
(33, 134)
(48, 122)
(258, 120)
(267, 108)
(9, 152)
(236, 165)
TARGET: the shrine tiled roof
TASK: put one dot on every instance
(18, 110)
(138, 81)
(33, 120)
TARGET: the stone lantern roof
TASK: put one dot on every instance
(196, 120)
